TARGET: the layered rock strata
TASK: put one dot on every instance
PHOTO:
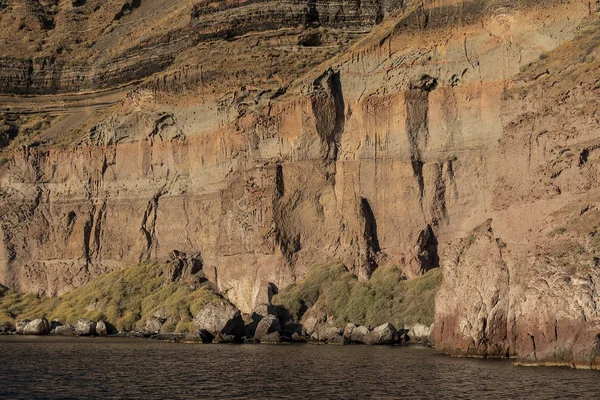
(452, 133)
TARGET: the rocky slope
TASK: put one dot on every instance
(269, 136)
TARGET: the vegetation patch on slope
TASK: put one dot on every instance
(386, 297)
(126, 299)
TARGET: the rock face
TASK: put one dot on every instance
(220, 319)
(524, 282)
(458, 134)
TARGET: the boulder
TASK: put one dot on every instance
(37, 327)
(333, 335)
(403, 337)
(358, 334)
(420, 333)
(101, 328)
(314, 318)
(220, 318)
(258, 313)
(271, 338)
(268, 324)
(64, 330)
(348, 330)
(224, 338)
(85, 327)
(328, 334)
(383, 334)
(20, 326)
(296, 337)
(104, 328)
(194, 337)
(339, 340)
(153, 325)
(262, 310)
(6, 328)
(54, 324)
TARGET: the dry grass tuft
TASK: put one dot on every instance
(386, 297)
(126, 298)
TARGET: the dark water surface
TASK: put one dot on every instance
(49, 367)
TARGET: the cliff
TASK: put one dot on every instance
(266, 137)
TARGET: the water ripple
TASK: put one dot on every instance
(106, 368)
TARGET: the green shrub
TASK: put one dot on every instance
(386, 297)
(126, 299)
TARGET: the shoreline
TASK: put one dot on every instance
(181, 338)
(177, 338)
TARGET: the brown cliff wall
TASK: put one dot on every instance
(428, 141)
(539, 299)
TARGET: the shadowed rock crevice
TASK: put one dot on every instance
(8, 131)
(328, 107)
(127, 8)
(310, 40)
(148, 227)
(373, 254)
(311, 16)
(428, 254)
(417, 124)
(279, 183)
(370, 225)
(340, 111)
(185, 266)
(285, 234)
